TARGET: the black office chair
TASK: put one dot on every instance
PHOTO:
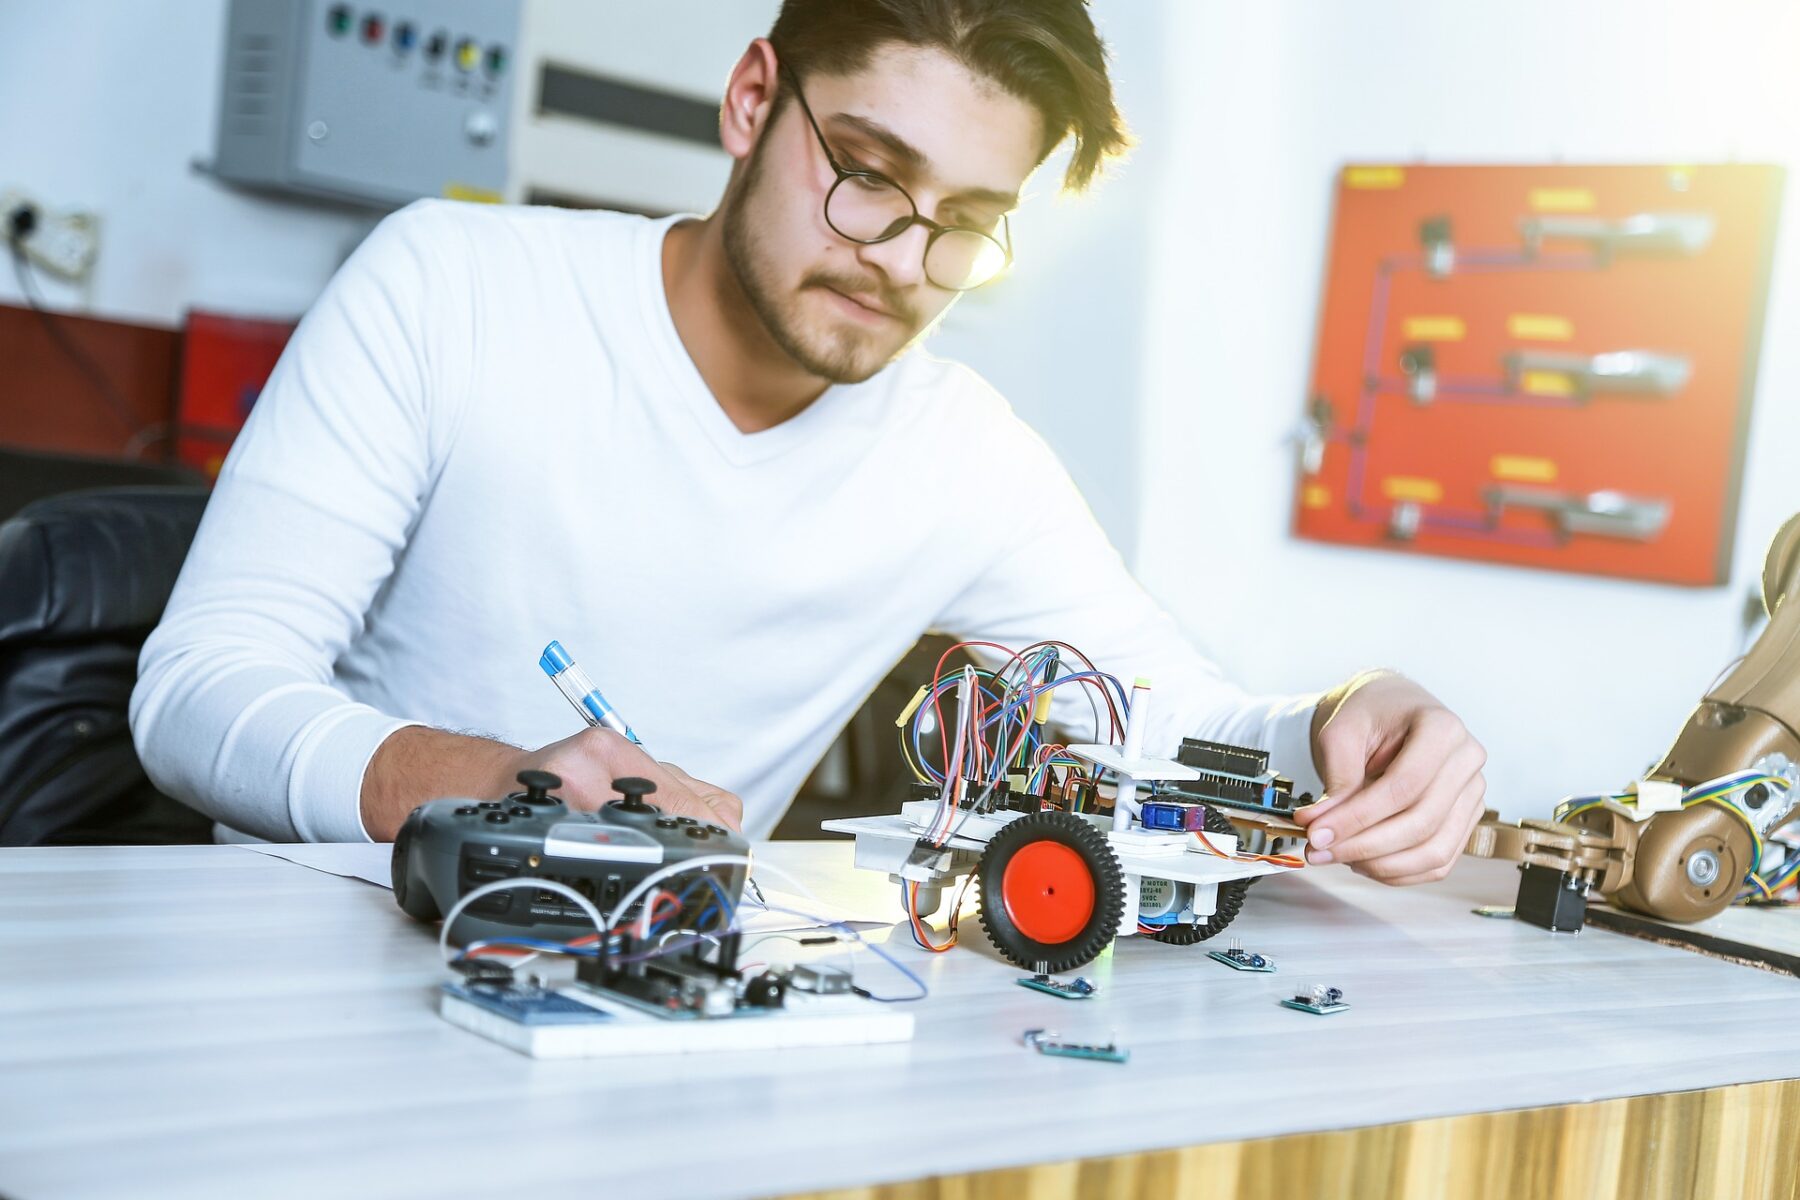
(28, 475)
(84, 577)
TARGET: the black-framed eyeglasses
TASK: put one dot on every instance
(867, 207)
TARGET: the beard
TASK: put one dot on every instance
(838, 353)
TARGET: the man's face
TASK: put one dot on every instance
(958, 144)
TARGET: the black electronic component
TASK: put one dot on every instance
(767, 990)
(698, 980)
(1551, 899)
(483, 970)
(1220, 758)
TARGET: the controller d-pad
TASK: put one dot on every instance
(519, 810)
(666, 822)
(498, 818)
(467, 810)
(694, 831)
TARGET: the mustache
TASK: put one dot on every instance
(867, 291)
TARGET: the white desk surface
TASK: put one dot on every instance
(206, 1021)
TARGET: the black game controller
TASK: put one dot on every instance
(449, 847)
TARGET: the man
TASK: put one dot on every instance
(701, 453)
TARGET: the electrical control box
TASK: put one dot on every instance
(376, 106)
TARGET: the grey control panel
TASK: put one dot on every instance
(370, 104)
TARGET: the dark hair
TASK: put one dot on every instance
(1045, 52)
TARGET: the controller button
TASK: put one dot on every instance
(666, 822)
(694, 831)
(519, 810)
(467, 810)
(498, 818)
(687, 820)
(714, 829)
(490, 804)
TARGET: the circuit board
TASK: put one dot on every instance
(1075, 989)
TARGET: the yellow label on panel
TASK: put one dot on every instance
(1372, 178)
(474, 195)
(1546, 383)
(1315, 495)
(1540, 327)
(1433, 329)
(1404, 487)
(1521, 468)
(1567, 199)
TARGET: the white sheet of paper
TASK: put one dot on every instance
(367, 861)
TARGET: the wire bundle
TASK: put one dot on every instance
(1001, 732)
(660, 908)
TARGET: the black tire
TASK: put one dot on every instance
(1100, 869)
(1230, 900)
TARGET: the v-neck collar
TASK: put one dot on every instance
(838, 405)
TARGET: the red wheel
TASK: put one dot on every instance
(1052, 891)
(1048, 891)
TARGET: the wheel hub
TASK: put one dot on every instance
(1048, 892)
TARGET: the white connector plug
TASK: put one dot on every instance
(63, 243)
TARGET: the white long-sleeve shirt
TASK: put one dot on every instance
(487, 434)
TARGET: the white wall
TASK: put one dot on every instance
(104, 104)
(1573, 683)
(1063, 335)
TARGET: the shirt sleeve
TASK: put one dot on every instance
(234, 710)
(1059, 577)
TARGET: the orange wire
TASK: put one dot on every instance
(1280, 860)
(912, 914)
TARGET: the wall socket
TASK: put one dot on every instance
(63, 243)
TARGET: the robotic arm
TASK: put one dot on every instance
(1732, 771)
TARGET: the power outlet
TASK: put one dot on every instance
(63, 243)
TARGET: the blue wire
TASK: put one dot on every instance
(855, 936)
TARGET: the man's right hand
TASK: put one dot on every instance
(416, 764)
(589, 761)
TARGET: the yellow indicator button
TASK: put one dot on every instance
(1433, 329)
(1522, 468)
(468, 55)
(1405, 487)
(1540, 327)
(1546, 383)
(1562, 199)
(1374, 178)
(1315, 496)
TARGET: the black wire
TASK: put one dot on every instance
(84, 362)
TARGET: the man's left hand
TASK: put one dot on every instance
(1403, 783)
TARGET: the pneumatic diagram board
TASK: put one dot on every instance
(1542, 366)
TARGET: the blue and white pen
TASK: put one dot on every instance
(579, 690)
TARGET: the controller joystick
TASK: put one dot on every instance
(633, 790)
(537, 787)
